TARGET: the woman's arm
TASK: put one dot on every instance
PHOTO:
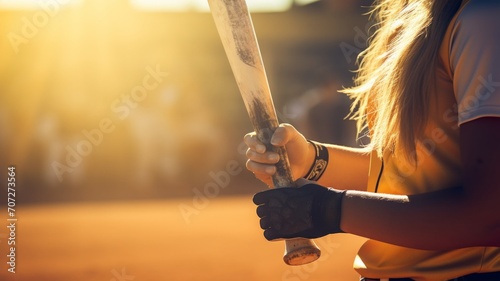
(347, 167)
(454, 218)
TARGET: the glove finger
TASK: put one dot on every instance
(264, 197)
(274, 221)
(267, 224)
(264, 223)
(262, 211)
(260, 198)
(276, 196)
(272, 235)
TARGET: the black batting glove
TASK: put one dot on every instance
(309, 211)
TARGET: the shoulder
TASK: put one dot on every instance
(480, 12)
(471, 6)
(475, 31)
(474, 59)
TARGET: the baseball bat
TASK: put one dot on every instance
(235, 27)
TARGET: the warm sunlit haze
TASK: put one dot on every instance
(121, 128)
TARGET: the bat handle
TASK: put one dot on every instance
(298, 251)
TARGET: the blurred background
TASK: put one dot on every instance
(125, 125)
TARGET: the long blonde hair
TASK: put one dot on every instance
(396, 71)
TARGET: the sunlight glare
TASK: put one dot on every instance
(202, 5)
(34, 4)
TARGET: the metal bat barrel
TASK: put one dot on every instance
(236, 31)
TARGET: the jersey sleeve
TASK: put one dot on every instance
(475, 60)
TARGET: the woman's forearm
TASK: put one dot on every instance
(347, 168)
(441, 220)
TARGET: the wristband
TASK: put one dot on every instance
(320, 162)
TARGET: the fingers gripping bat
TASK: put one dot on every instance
(236, 31)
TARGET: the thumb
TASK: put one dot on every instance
(283, 134)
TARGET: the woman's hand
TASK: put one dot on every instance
(308, 211)
(262, 162)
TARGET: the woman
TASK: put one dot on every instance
(426, 190)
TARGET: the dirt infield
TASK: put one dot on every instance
(152, 240)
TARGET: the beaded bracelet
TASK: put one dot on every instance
(320, 162)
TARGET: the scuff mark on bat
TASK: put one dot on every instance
(237, 21)
(264, 125)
